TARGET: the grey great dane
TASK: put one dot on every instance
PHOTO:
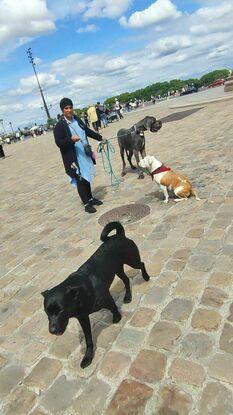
(132, 141)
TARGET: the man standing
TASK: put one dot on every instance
(118, 109)
(91, 112)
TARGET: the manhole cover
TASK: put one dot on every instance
(125, 214)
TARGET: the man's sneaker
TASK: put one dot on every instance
(89, 208)
(96, 202)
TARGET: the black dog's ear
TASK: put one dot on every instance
(44, 293)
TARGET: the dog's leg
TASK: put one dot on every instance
(194, 193)
(110, 304)
(122, 153)
(86, 326)
(140, 172)
(129, 156)
(165, 192)
(125, 279)
(135, 262)
(143, 152)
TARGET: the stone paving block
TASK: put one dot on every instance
(64, 345)
(106, 335)
(3, 361)
(226, 339)
(182, 253)
(20, 402)
(92, 399)
(175, 265)
(213, 297)
(129, 340)
(155, 296)
(188, 288)
(206, 319)
(201, 262)
(142, 317)
(221, 279)
(216, 399)
(60, 395)
(114, 363)
(194, 233)
(166, 278)
(10, 376)
(177, 309)
(196, 345)
(149, 366)
(172, 400)
(43, 373)
(221, 367)
(164, 335)
(209, 247)
(130, 399)
(185, 371)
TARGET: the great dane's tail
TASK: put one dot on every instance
(110, 227)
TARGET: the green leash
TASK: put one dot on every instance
(105, 150)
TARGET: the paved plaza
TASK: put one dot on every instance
(172, 352)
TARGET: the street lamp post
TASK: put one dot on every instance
(10, 123)
(31, 60)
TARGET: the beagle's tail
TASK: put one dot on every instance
(109, 228)
(194, 193)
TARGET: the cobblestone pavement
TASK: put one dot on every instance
(172, 352)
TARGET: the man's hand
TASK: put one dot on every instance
(104, 140)
(75, 138)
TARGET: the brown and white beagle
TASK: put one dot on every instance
(168, 179)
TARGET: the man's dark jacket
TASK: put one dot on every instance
(63, 140)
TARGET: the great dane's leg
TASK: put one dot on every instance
(143, 152)
(140, 172)
(122, 153)
(129, 156)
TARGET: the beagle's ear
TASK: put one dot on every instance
(44, 293)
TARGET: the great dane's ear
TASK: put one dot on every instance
(74, 292)
(44, 293)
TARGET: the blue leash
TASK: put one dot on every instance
(105, 150)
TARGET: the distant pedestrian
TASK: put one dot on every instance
(91, 112)
(102, 113)
(118, 108)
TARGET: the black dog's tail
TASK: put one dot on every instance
(110, 227)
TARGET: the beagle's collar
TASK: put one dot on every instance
(161, 169)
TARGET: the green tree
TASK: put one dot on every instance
(213, 76)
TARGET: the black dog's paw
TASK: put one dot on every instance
(146, 277)
(86, 361)
(141, 176)
(116, 318)
(133, 167)
(128, 298)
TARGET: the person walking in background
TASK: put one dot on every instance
(85, 119)
(70, 135)
(103, 117)
(91, 112)
(118, 109)
(98, 112)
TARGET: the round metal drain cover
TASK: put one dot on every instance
(125, 214)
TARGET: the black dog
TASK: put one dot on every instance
(87, 289)
(132, 141)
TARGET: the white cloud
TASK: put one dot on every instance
(157, 12)
(106, 8)
(213, 19)
(88, 28)
(22, 20)
(29, 84)
(68, 8)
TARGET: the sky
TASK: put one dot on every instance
(89, 50)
